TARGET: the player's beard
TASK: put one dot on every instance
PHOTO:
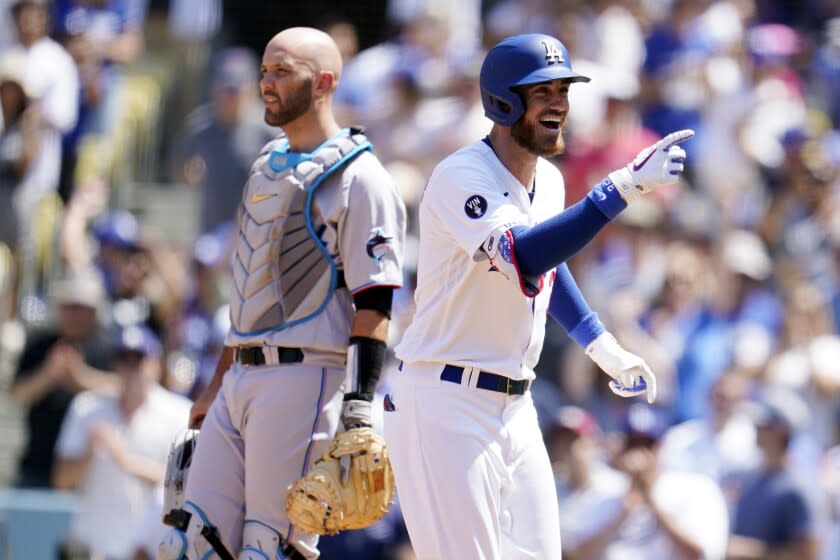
(528, 134)
(291, 108)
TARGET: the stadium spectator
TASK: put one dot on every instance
(662, 513)
(50, 71)
(21, 141)
(776, 516)
(589, 491)
(54, 366)
(807, 363)
(684, 321)
(215, 153)
(722, 446)
(112, 449)
(144, 278)
(193, 25)
(102, 36)
(52, 82)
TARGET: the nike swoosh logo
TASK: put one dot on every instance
(260, 197)
(637, 166)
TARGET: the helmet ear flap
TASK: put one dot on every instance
(501, 105)
(503, 110)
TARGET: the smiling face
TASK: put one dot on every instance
(540, 129)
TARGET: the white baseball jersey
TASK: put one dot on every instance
(469, 313)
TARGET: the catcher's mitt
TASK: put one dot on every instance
(350, 487)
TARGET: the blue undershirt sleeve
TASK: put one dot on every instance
(568, 307)
(542, 247)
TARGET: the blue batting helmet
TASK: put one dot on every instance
(517, 61)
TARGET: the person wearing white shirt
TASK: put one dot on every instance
(50, 70)
(52, 81)
(112, 449)
(723, 446)
(662, 513)
(589, 491)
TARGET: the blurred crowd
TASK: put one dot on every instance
(728, 284)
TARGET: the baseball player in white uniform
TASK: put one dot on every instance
(472, 471)
(321, 231)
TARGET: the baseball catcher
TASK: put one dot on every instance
(317, 257)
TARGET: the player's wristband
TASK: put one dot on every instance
(609, 199)
(365, 358)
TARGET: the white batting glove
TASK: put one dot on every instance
(655, 166)
(631, 376)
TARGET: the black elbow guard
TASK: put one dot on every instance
(365, 358)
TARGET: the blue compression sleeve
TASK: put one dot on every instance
(568, 307)
(540, 248)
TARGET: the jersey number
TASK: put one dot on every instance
(552, 53)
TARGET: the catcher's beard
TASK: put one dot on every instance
(527, 135)
(297, 104)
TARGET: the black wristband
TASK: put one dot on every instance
(365, 358)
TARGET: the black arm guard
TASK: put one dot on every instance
(378, 298)
(365, 357)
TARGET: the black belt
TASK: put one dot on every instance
(487, 380)
(255, 355)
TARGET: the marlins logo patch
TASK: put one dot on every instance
(378, 244)
(475, 206)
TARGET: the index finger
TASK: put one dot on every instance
(675, 138)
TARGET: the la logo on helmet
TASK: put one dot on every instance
(552, 53)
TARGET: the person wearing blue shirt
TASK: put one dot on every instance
(776, 517)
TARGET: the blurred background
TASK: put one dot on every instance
(127, 131)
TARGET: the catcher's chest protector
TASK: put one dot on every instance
(283, 273)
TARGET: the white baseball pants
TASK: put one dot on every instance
(472, 471)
